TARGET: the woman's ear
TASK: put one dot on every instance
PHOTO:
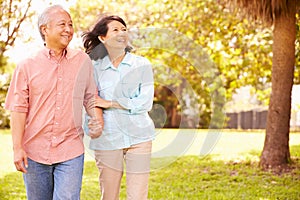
(101, 39)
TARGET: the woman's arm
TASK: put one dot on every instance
(102, 103)
(141, 101)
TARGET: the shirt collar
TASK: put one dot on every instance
(68, 53)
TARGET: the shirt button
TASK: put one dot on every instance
(59, 93)
(58, 108)
(54, 137)
(56, 123)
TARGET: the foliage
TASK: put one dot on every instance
(13, 14)
(240, 50)
(266, 10)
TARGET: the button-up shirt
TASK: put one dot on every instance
(131, 85)
(52, 94)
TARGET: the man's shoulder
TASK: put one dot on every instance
(76, 52)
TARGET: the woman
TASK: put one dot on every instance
(126, 90)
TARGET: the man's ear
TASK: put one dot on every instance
(43, 29)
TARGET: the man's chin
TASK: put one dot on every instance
(65, 43)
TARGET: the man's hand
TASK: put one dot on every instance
(20, 160)
(95, 128)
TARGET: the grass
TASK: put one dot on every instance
(189, 177)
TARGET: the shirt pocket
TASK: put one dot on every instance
(131, 88)
(74, 88)
(106, 89)
(41, 84)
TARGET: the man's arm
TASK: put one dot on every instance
(96, 121)
(17, 124)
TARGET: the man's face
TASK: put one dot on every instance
(59, 31)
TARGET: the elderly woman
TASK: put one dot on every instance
(126, 90)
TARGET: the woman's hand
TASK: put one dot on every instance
(102, 103)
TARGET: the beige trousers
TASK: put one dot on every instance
(137, 163)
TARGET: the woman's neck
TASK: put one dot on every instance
(116, 57)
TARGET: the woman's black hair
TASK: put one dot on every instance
(93, 46)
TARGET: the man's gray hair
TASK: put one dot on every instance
(44, 17)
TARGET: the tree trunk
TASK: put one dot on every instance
(276, 154)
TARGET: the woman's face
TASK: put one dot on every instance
(116, 36)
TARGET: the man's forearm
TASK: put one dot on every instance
(17, 123)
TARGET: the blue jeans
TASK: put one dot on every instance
(60, 181)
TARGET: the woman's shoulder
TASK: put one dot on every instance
(101, 63)
(97, 63)
(138, 58)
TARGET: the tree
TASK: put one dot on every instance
(238, 48)
(282, 15)
(12, 15)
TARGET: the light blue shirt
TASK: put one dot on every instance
(131, 85)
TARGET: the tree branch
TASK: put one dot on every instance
(11, 39)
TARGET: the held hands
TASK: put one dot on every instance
(95, 128)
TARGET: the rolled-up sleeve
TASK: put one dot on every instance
(91, 88)
(17, 99)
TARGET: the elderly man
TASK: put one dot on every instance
(46, 96)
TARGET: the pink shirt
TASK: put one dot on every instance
(52, 94)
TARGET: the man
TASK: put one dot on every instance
(46, 96)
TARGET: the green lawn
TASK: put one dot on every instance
(217, 176)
